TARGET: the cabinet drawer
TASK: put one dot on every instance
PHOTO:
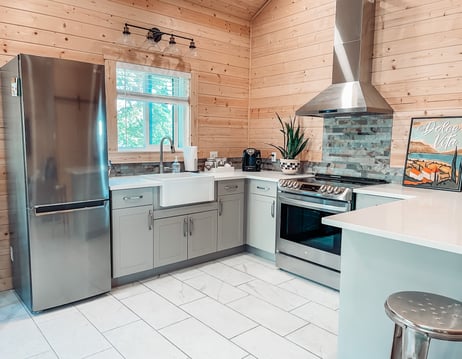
(367, 200)
(263, 187)
(230, 187)
(131, 197)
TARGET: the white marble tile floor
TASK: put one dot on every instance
(235, 307)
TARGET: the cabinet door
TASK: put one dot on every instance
(132, 241)
(261, 222)
(170, 240)
(202, 230)
(230, 221)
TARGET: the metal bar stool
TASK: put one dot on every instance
(419, 317)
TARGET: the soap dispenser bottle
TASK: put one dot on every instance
(176, 166)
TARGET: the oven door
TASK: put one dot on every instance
(301, 232)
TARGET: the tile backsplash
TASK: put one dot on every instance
(357, 146)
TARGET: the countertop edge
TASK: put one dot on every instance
(422, 217)
(138, 182)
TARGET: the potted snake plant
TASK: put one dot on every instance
(294, 143)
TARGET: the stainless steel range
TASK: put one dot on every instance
(306, 246)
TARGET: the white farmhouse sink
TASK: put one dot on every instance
(184, 188)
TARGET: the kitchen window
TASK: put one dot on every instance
(151, 103)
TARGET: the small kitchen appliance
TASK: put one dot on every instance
(306, 246)
(251, 160)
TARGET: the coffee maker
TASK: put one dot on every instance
(251, 160)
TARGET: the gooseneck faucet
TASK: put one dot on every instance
(172, 148)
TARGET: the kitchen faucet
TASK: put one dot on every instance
(172, 148)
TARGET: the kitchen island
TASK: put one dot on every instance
(414, 243)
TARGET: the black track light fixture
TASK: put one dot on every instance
(154, 36)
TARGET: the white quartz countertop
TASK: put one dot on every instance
(127, 182)
(426, 217)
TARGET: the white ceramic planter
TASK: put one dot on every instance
(289, 167)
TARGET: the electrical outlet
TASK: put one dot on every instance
(213, 154)
(273, 156)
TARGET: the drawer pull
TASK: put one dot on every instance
(185, 227)
(273, 208)
(230, 188)
(132, 198)
(263, 188)
(190, 226)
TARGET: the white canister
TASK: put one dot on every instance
(190, 158)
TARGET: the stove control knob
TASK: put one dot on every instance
(283, 183)
(330, 189)
(297, 185)
(323, 188)
(338, 190)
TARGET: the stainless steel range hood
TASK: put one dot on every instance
(351, 91)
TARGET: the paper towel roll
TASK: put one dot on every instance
(190, 158)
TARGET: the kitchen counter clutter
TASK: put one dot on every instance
(413, 243)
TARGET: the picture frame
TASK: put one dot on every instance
(434, 153)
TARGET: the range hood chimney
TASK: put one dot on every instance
(351, 91)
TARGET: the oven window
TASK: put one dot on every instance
(303, 225)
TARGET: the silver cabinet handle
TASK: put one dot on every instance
(131, 198)
(185, 227)
(190, 226)
(272, 208)
(220, 207)
(231, 188)
(263, 188)
(150, 219)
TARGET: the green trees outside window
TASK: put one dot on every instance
(151, 103)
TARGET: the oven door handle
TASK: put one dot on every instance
(323, 207)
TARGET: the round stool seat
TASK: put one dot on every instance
(437, 316)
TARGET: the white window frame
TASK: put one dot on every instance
(159, 99)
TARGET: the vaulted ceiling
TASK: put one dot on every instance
(243, 9)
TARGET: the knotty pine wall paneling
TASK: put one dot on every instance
(417, 64)
(88, 30)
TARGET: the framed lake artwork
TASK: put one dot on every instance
(434, 153)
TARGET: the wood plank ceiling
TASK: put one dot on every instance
(243, 9)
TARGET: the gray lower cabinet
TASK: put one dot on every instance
(170, 240)
(230, 214)
(368, 200)
(261, 215)
(184, 237)
(202, 233)
(132, 231)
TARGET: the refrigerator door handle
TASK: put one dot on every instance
(66, 208)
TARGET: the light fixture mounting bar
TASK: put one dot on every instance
(157, 34)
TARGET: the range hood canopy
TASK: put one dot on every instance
(351, 91)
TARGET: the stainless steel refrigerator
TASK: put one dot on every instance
(58, 191)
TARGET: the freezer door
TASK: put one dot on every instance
(64, 130)
(70, 253)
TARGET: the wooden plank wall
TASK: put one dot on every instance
(417, 64)
(84, 30)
